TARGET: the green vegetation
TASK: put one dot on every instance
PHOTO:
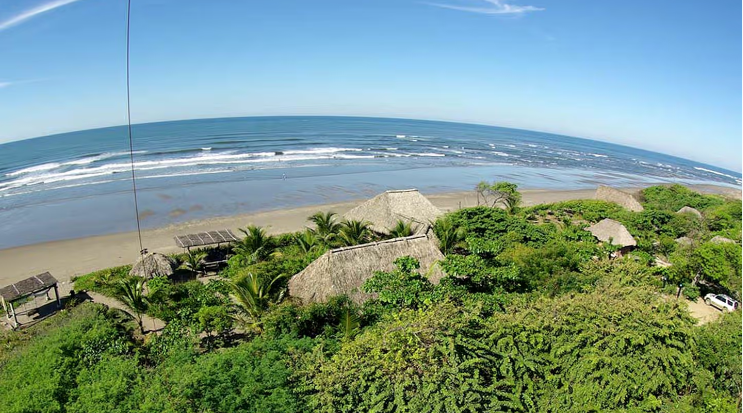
(533, 315)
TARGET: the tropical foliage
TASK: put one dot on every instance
(533, 315)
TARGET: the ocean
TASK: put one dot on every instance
(79, 184)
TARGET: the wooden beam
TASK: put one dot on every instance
(56, 295)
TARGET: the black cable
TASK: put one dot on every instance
(129, 123)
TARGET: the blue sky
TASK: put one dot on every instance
(660, 75)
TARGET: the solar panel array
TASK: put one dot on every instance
(28, 286)
(205, 238)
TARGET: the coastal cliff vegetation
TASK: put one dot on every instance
(534, 314)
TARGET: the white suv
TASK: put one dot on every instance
(721, 301)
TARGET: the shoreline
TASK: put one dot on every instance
(67, 258)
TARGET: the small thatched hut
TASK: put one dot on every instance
(153, 264)
(690, 210)
(613, 232)
(384, 210)
(721, 240)
(628, 201)
(344, 270)
(684, 241)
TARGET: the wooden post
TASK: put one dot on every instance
(56, 295)
(15, 318)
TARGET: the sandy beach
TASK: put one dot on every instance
(67, 258)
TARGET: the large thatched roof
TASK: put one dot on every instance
(344, 270)
(608, 230)
(153, 264)
(690, 210)
(384, 210)
(609, 194)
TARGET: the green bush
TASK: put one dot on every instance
(104, 281)
(691, 292)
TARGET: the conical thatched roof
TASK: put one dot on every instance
(153, 264)
(609, 230)
(344, 270)
(721, 240)
(609, 194)
(384, 210)
(690, 210)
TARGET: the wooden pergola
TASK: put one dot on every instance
(205, 238)
(25, 288)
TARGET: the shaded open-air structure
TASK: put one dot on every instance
(614, 233)
(222, 236)
(215, 258)
(31, 286)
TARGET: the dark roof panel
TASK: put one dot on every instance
(205, 238)
(28, 286)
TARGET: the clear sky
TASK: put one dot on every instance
(661, 75)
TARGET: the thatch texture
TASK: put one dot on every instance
(608, 230)
(344, 270)
(384, 210)
(28, 286)
(721, 240)
(153, 264)
(609, 194)
(690, 210)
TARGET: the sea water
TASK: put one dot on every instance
(79, 184)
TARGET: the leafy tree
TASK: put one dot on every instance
(252, 294)
(214, 320)
(194, 261)
(450, 236)
(674, 197)
(326, 226)
(498, 193)
(401, 229)
(719, 351)
(131, 293)
(719, 263)
(355, 232)
(307, 241)
(256, 246)
(404, 287)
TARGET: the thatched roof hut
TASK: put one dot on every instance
(690, 210)
(721, 240)
(384, 210)
(344, 270)
(608, 230)
(153, 264)
(628, 201)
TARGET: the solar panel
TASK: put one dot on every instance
(205, 238)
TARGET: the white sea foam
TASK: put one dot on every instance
(431, 154)
(716, 173)
(500, 153)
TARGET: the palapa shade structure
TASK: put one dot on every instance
(384, 210)
(690, 210)
(344, 270)
(608, 230)
(153, 264)
(609, 194)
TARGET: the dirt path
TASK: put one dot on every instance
(150, 323)
(702, 312)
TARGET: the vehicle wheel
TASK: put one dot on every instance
(707, 301)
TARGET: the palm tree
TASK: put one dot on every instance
(195, 261)
(355, 232)
(252, 295)
(307, 241)
(448, 234)
(326, 227)
(131, 293)
(349, 324)
(401, 229)
(257, 244)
